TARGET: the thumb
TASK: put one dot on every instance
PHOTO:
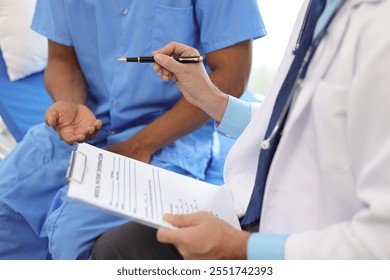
(182, 220)
(167, 62)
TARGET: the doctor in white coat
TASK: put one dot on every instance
(327, 194)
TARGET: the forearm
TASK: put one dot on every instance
(63, 77)
(181, 120)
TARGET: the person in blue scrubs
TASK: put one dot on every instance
(122, 107)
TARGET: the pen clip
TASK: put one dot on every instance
(188, 59)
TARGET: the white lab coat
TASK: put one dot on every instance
(329, 184)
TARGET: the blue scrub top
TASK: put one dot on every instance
(128, 96)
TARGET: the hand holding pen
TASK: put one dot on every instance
(192, 79)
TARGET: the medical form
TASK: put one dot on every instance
(142, 191)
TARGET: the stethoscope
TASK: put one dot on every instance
(266, 143)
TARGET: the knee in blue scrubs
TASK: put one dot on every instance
(30, 177)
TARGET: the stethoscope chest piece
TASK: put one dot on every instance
(265, 145)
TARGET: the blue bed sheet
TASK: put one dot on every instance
(23, 102)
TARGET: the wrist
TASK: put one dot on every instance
(214, 104)
(141, 141)
(239, 248)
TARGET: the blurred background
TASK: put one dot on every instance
(279, 18)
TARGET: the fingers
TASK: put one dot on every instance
(174, 236)
(72, 139)
(89, 134)
(98, 124)
(174, 78)
(165, 235)
(51, 117)
(165, 64)
(73, 135)
(184, 220)
(165, 75)
(168, 65)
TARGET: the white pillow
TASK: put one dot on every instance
(24, 50)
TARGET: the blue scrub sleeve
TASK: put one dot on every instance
(218, 30)
(236, 118)
(50, 20)
(266, 246)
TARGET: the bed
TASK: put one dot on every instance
(23, 102)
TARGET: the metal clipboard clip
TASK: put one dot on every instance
(76, 167)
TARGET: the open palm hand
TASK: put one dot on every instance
(73, 122)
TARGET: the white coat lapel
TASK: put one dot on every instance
(321, 61)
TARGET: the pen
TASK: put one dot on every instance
(150, 59)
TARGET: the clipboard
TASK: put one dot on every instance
(141, 191)
(76, 167)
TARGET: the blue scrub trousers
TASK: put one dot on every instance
(37, 219)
